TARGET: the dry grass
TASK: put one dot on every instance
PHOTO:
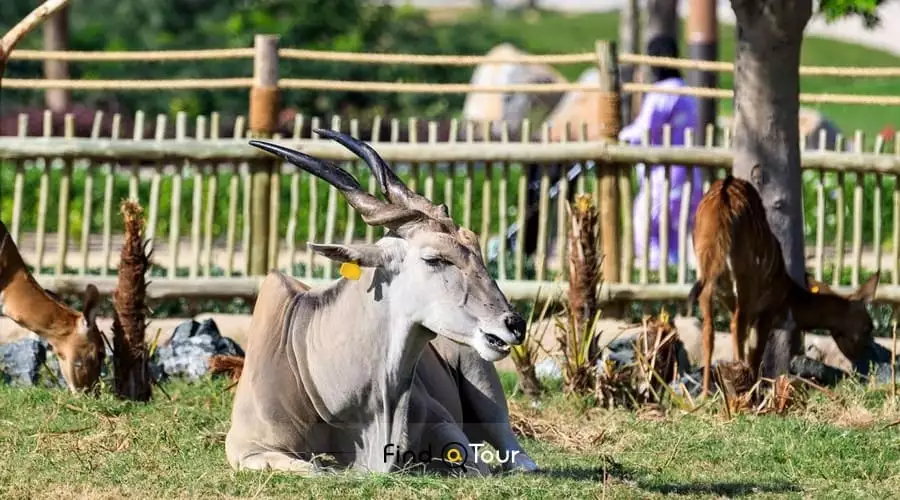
(563, 427)
(646, 380)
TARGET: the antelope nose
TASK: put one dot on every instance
(516, 325)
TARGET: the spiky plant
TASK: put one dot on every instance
(578, 334)
(656, 352)
(584, 260)
(525, 355)
(130, 354)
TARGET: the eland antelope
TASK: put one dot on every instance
(740, 263)
(74, 335)
(511, 107)
(386, 367)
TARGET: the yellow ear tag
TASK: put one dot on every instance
(814, 289)
(351, 270)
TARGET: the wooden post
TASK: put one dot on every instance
(703, 38)
(607, 185)
(263, 121)
(56, 38)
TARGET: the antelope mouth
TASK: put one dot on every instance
(495, 342)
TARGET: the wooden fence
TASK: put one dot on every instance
(266, 43)
(198, 194)
(220, 212)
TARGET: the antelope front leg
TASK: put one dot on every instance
(274, 460)
(481, 390)
(452, 451)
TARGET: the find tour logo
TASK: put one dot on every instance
(453, 454)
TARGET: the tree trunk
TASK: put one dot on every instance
(660, 18)
(56, 37)
(629, 37)
(766, 133)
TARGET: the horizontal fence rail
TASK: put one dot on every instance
(418, 88)
(624, 59)
(423, 59)
(12, 148)
(60, 197)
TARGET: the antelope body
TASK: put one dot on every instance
(74, 335)
(511, 107)
(740, 264)
(399, 360)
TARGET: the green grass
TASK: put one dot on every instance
(52, 443)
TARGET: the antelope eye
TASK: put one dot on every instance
(434, 260)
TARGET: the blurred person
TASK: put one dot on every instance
(657, 110)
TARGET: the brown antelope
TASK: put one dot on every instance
(74, 335)
(740, 263)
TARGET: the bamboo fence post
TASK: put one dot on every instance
(263, 122)
(607, 185)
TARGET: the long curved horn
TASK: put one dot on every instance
(391, 185)
(373, 211)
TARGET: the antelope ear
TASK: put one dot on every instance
(366, 255)
(866, 291)
(89, 309)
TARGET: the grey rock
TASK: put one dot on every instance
(21, 361)
(187, 353)
(548, 369)
(30, 363)
(815, 370)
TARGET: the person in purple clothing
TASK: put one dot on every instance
(680, 112)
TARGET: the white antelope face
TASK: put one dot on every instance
(435, 271)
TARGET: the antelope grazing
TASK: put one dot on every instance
(740, 263)
(380, 368)
(74, 335)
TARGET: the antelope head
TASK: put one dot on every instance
(853, 333)
(82, 350)
(434, 269)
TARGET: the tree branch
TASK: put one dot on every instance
(25, 26)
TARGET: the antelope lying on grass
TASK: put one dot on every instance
(740, 263)
(391, 364)
(74, 335)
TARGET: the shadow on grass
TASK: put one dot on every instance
(576, 473)
(729, 489)
(614, 471)
(610, 469)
